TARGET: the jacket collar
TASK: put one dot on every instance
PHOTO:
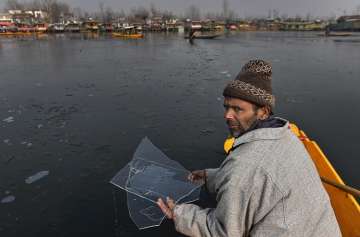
(263, 134)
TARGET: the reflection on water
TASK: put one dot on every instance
(77, 106)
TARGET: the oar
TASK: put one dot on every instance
(343, 187)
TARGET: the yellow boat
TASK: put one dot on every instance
(20, 33)
(128, 36)
(345, 206)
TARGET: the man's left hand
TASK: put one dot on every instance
(167, 208)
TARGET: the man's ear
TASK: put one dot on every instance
(263, 112)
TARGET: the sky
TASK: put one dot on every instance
(244, 8)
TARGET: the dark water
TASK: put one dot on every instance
(80, 105)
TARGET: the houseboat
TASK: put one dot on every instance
(90, 26)
(72, 27)
(41, 27)
(57, 28)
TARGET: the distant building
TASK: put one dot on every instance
(156, 23)
(196, 25)
(23, 17)
(346, 23)
(6, 17)
(6, 22)
(38, 14)
(28, 16)
(12, 12)
(302, 26)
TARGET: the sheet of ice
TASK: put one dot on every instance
(147, 214)
(8, 199)
(37, 176)
(153, 180)
(151, 175)
(9, 119)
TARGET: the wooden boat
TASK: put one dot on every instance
(127, 36)
(345, 206)
(347, 40)
(20, 33)
(334, 34)
(203, 36)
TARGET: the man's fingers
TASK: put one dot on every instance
(170, 203)
(190, 177)
(164, 208)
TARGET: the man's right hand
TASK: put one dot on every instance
(198, 176)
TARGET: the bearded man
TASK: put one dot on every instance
(268, 184)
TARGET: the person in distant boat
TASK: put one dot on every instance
(327, 30)
(268, 184)
(192, 33)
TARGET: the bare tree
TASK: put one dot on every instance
(167, 15)
(232, 15)
(14, 5)
(86, 16)
(193, 12)
(121, 14)
(109, 15)
(102, 11)
(78, 14)
(284, 16)
(32, 5)
(47, 7)
(308, 17)
(140, 13)
(153, 10)
(56, 10)
(225, 9)
(276, 14)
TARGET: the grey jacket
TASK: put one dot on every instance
(267, 186)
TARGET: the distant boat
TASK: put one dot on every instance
(21, 34)
(203, 36)
(332, 34)
(347, 40)
(128, 36)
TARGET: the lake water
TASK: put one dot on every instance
(73, 109)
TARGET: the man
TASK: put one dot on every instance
(267, 185)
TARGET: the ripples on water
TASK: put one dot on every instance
(77, 106)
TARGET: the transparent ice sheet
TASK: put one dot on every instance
(151, 175)
(146, 214)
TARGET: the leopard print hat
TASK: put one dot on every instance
(253, 84)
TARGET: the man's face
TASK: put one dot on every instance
(239, 115)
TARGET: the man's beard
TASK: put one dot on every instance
(242, 128)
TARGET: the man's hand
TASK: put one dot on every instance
(167, 208)
(198, 176)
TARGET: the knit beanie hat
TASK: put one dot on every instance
(253, 84)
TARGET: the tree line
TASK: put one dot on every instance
(57, 10)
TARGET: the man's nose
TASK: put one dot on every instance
(228, 114)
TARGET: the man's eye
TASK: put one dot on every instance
(237, 109)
